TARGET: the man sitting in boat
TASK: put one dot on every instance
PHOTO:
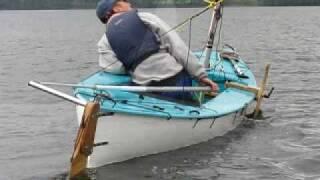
(138, 43)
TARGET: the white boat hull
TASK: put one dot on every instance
(134, 136)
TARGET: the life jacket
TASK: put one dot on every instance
(130, 39)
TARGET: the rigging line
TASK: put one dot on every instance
(163, 104)
(115, 101)
(188, 54)
(129, 102)
(121, 100)
(152, 109)
(147, 108)
(189, 41)
(145, 102)
(202, 51)
(186, 21)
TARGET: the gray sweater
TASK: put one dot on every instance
(159, 66)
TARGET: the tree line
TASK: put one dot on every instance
(89, 4)
(289, 2)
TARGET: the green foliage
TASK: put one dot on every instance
(47, 4)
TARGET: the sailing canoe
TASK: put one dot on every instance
(143, 124)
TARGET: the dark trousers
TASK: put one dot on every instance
(179, 80)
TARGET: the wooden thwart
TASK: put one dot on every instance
(85, 140)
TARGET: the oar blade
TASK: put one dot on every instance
(85, 140)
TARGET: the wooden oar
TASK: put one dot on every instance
(85, 140)
(259, 91)
(242, 87)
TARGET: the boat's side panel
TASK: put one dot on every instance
(134, 136)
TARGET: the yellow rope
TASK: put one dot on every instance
(213, 3)
(179, 28)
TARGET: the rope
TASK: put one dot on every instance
(183, 23)
(189, 47)
(211, 4)
(144, 105)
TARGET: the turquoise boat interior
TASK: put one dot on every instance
(229, 100)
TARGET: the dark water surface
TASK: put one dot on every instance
(37, 130)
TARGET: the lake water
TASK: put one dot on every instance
(37, 130)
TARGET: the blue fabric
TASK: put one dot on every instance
(179, 80)
(130, 39)
(104, 6)
(182, 79)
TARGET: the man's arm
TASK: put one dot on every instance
(175, 45)
(178, 49)
(108, 59)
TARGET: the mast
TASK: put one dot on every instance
(216, 16)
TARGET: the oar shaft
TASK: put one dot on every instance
(255, 90)
(136, 88)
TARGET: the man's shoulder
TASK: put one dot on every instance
(148, 15)
(151, 19)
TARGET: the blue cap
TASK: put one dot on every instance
(103, 7)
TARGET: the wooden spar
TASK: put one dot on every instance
(85, 140)
(216, 16)
(255, 90)
(258, 91)
(261, 91)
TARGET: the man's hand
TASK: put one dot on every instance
(208, 82)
